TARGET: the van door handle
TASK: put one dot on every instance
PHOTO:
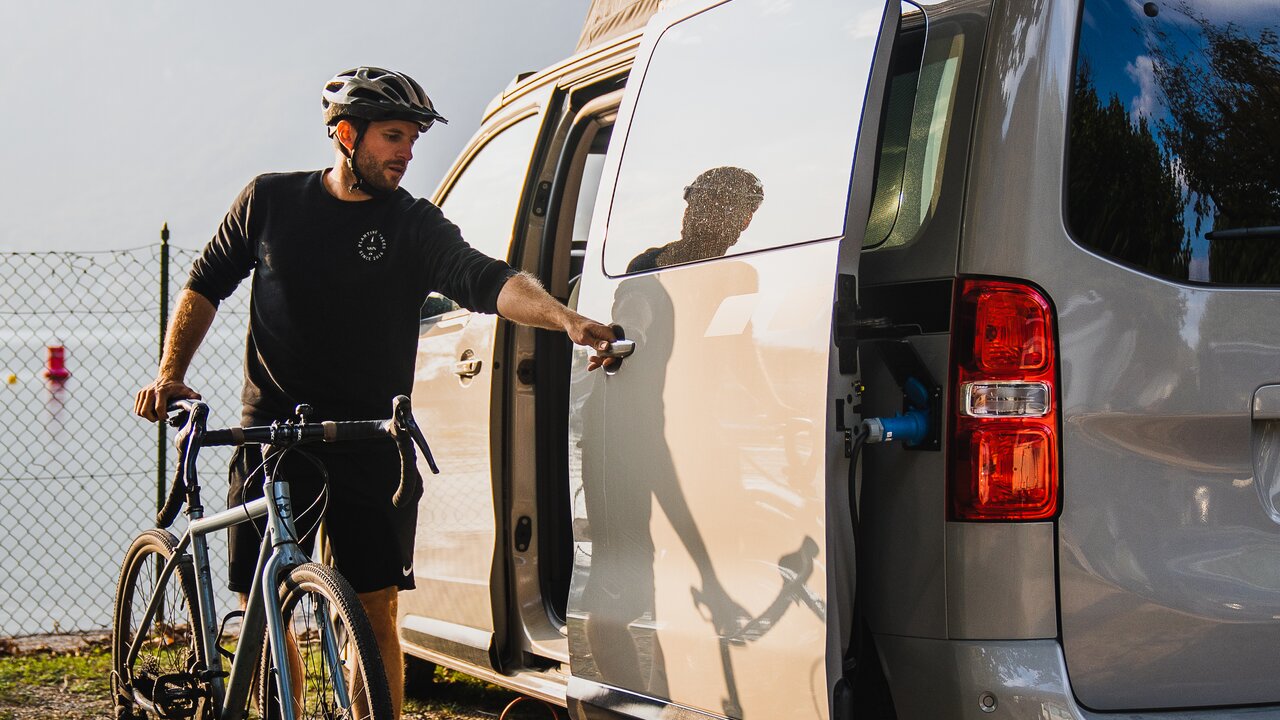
(466, 368)
(1266, 403)
(619, 349)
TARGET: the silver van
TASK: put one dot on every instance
(955, 389)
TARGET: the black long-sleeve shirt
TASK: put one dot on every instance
(337, 287)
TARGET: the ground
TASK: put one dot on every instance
(65, 678)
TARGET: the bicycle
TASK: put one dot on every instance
(167, 661)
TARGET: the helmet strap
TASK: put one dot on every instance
(360, 184)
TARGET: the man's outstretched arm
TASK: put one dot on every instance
(187, 328)
(524, 300)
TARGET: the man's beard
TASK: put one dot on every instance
(373, 174)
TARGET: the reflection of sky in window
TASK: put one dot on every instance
(775, 87)
(482, 202)
(1116, 37)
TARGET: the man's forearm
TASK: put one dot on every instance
(187, 328)
(524, 300)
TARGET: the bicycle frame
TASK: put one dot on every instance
(278, 552)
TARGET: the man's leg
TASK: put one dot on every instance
(380, 606)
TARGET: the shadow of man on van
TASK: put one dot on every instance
(636, 465)
(720, 205)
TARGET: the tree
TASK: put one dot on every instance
(1222, 91)
(1123, 196)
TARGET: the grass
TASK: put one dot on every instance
(54, 685)
(454, 696)
(47, 685)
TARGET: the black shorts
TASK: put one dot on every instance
(371, 539)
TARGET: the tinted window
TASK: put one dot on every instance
(743, 133)
(484, 200)
(1175, 138)
(914, 131)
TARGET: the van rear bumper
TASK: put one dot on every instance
(948, 679)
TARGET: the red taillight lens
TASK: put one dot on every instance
(1011, 330)
(1004, 452)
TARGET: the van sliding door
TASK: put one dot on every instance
(703, 531)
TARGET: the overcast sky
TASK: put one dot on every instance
(122, 115)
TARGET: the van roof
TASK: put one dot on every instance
(614, 53)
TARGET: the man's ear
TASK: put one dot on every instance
(346, 134)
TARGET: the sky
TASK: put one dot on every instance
(121, 116)
(1117, 39)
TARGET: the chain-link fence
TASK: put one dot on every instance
(78, 471)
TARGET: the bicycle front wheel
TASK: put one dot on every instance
(161, 680)
(334, 664)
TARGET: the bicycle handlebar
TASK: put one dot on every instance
(192, 436)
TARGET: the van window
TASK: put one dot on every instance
(743, 133)
(1175, 138)
(483, 201)
(914, 130)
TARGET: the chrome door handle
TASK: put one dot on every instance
(467, 368)
(1266, 403)
(618, 349)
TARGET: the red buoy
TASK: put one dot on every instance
(56, 367)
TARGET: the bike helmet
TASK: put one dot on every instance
(373, 93)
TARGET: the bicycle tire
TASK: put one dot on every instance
(301, 592)
(172, 652)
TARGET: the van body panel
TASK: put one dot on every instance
(701, 558)
(456, 535)
(708, 490)
(1000, 581)
(903, 524)
(1169, 574)
(1026, 679)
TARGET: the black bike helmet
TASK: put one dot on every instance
(373, 93)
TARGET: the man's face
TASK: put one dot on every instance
(385, 151)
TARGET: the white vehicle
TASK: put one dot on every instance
(993, 231)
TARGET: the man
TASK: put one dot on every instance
(342, 259)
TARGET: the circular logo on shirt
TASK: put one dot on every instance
(371, 246)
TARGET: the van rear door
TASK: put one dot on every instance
(1170, 528)
(703, 526)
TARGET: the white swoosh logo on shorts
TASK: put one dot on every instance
(407, 571)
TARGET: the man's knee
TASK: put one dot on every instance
(380, 606)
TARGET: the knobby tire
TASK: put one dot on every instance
(300, 592)
(171, 650)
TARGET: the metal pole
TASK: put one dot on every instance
(162, 437)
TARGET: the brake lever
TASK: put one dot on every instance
(403, 416)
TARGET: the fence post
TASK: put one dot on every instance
(161, 434)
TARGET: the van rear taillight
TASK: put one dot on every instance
(1004, 438)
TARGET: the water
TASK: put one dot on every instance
(77, 468)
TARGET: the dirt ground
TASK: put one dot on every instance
(64, 677)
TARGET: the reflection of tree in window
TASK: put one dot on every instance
(719, 206)
(1223, 97)
(1124, 198)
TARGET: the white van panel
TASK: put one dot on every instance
(708, 492)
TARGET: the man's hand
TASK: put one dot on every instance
(588, 332)
(152, 401)
(523, 300)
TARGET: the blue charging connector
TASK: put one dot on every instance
(910, 427)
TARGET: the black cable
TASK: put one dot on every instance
(322, 495)
(856, 649)
(244, 489)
